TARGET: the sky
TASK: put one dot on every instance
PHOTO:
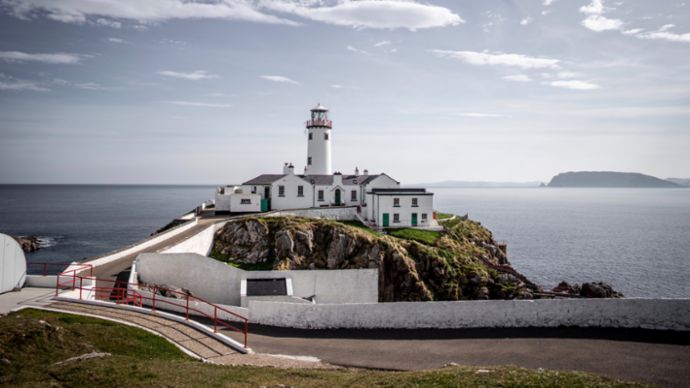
(217, 92)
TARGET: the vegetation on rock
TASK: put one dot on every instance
(462, 262)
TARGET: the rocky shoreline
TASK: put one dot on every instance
(461, 263)
(28, 243)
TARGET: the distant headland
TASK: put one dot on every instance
(609, 179)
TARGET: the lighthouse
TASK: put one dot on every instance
(319, 142)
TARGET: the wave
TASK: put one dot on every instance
(48, 241)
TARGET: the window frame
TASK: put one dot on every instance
(396, 202)
(245, 201)
(321, 196)
(281, 190)
(415, 202)
(300, 191)
(396, 218)
(353, 195)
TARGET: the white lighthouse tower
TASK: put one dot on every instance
(319, 142)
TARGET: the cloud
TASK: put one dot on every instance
(382, 43)
(662, 34)
(497, 58)
(90, 86)
(383, 14)
(192, 76)
(518, 78)
(596, 21)
(548, 3)
(525, 21)
(600, 23)
(55, 58)
(115, 40)
(336, 86)
(199, 104)
(574, 84)
(81, 11)
(279, 78)
(478, 115)
(14, 84)
(356, 50)
(108, 23)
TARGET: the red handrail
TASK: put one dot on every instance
(121, 293)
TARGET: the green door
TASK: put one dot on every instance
(386, 221)
(264, 205)
(337, 197)
(414, 219)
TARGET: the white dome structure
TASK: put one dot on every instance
(12, 264)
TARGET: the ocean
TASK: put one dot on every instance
(637, 240)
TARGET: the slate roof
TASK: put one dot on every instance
(264, 179)
(321, 180)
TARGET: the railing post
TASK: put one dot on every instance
(246, 329)
(80, 286)
(187, 306)
(153, 304)
(215, 319)
(57, 284)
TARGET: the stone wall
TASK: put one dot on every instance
(666, 314)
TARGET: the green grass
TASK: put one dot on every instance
(30, 349)
(443, 216)
(428, 237)
(361, 227)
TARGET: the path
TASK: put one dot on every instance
(659, 363)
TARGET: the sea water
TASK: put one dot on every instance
(638, 240)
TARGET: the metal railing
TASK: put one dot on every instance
(121, 293)
(319, 123)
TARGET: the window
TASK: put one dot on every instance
(396, 218)
(320, 195)
(300, 191)
(309, 161)
(311, 136)
(281, 191)
(325, 136)
(353, 195)
(396, 202)
(245, 201)
(253, 189)
(424, 217)
(415, 203)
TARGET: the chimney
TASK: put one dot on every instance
(337, 179)
(285, 169)
(356, 171)
(291, 169)
(366, 172)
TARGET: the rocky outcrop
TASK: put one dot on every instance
(463, 263)
(28, 243)
(587, 290)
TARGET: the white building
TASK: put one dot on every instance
(378, 197)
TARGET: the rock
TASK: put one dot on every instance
(86, 356)
(28, 243)
(566, 288)
(5, 361)
(598, 290)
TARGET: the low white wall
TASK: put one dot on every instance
(41, 281)
(143, 244)
(331, 213)
(221, 283)
(667, 314)
(203, 309)
(329, 286)
(200, 243)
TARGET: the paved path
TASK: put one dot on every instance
(194, 341)
(27, 295)
(659, 363)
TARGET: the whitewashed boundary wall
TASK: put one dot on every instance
(221, 283)
(143, 244)
(201, 243)
(662, 314)
(331, 213)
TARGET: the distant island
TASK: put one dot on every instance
(680, 181)
(609, 179)
(480, 184)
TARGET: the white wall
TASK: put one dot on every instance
(12, 264)
(107, 258)
(200, 243)
(384, 204)
(334, 213)
(319, 149)
(221, 283)
(236, 205)
(291, 200)
(663, 314)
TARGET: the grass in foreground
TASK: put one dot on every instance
(428, 237)
(32, 341)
